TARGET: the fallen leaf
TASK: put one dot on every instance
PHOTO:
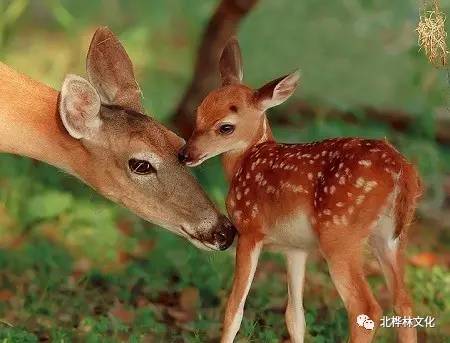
(144, 247)
(125, 226)
(6, 294)
(120, 312)
(123, 257)
(141, 301)
(189, 299)
(179, 315)
(424, 259)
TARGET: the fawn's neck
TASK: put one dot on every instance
(30, 124)
(232, 160)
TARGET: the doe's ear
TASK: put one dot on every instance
(276, 91)
(110, 71)
(230, 63)
(79, 107)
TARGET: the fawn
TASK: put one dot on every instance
(332, 195)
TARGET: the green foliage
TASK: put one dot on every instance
(16, 335)
(47, 205)
(332, 328)
(433, 290)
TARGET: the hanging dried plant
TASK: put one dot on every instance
(432, 36)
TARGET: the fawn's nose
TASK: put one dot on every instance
(183, 155)
(224, 234)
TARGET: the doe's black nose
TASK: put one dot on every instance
(183, 155)
(224, 235)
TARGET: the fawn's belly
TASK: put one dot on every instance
(294, 231)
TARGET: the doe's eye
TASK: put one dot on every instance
(141, 167)
(226, 129)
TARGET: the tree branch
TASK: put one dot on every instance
(222, 25)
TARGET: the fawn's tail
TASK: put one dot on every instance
(410, 190)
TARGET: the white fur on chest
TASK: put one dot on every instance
(292, 232)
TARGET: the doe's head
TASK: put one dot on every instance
(133, 158)
(230, 117)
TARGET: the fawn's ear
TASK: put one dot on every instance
(110, 71)
(79, 107)
(230, 63)
(276, 91)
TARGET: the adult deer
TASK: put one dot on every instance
(98, 133)
(332, 195)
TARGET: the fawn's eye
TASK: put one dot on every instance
(141, 167)
(226, 129)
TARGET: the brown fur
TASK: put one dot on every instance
(410, 190)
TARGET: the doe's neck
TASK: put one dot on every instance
(30, 124)
(231, 160)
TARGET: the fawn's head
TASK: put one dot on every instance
(133, 157)
(231, 116)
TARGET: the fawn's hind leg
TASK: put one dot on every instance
(390, 254)
(344, 257)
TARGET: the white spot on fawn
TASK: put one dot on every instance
(369, 186)
(365, 163)
(360, 182)
(360, 199)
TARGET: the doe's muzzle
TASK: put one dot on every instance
(223, 234)
(183, 155)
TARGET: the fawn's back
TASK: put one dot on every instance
(336, 183)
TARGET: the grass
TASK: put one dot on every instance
(169, 291)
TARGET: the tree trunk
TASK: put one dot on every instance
(222, 25)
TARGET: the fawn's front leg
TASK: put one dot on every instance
(247, 254)
(295, 317)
